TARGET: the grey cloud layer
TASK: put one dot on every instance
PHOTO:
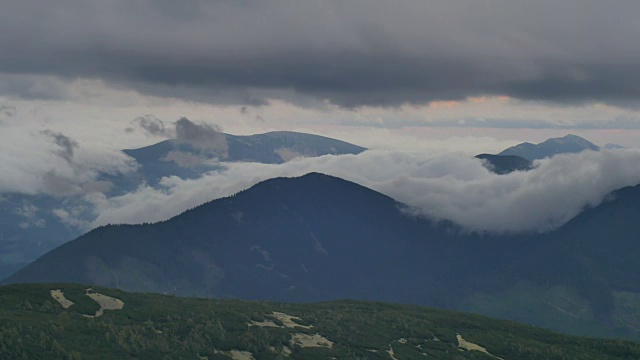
(350, 52)
(452, 187)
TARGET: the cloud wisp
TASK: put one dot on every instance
(204, 137)
(66, 144)
(151, 125)
(58, 166)
(208, 139)
(450, 187)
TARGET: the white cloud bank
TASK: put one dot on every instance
(454, 187)
(52, 163)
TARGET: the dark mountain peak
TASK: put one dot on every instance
(284, 238)
(572, 140)
(315, 179)
(288, 133)
(310, 176)
(189, 160)
(525, 144)
(319, 175)
(567, 144)
(311, 190)
(313, 182)
(308, 179)
(504, 164)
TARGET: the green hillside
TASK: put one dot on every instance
(34, 324)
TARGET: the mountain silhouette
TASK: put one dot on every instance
(29, 227)
(504, 164)
(550, 147)
(318, 237)
(188, 160)
(302, 239)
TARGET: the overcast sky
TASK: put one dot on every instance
(254, 65)
(78, 78)
(350, 53)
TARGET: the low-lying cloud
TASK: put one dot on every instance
(184, 159)
(208, 139)
(450, 187)
(59, 167)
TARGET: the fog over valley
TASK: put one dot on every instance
(449, 187)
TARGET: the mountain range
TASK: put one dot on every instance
(548, 148)
(520, 157)
(505, 164)
(190, 159)
(318, 237)
(31, 225)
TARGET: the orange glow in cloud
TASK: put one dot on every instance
(485, 99)
(449, 104)
(478, 100)
(443, 104)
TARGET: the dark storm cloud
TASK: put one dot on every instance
(618, 83)
(351, 52)
(66, 144)
(33, 87)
